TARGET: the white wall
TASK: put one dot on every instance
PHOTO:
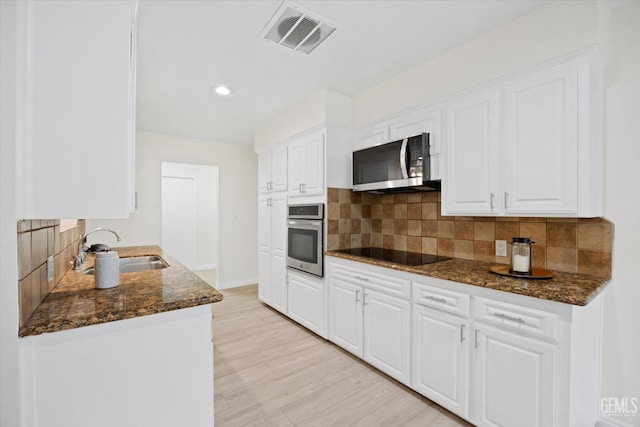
(206, 179)
(325, 107)
(238, 195)
(547, 33)
(621, 337)
(9, 364)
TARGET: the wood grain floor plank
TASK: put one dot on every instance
(270, 371)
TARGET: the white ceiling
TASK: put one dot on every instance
(186, 47)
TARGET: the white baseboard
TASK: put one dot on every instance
(205, 267)
(606, 421)
(237, 283)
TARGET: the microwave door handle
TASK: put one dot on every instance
(403, 158)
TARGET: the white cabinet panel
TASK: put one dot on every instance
(371, 136)
(76, 115)
(306, 165)
(345, 315)
(514, 380)
(272, 170)
(306, 303)
(440, 360)
(387, 334)
(426, 120)
(469, 183)
(272, 244)
(541, 150)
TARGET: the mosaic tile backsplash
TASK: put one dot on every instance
(38, 239)
(412, 222)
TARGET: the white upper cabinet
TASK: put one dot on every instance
(306, 165)
(76, 111)
(370, 136)
(272, 170)
(528, 146)
(469, 184)
(541, 142)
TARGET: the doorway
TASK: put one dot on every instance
(190, 216)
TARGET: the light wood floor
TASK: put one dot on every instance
(269, 371)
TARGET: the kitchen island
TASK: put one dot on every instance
(135, 355)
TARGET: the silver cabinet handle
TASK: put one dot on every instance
(436, 299)
(357, 296)
(475, 344)
(304, 188)
(491, 205)
(506, 196)
(462, 333)
(366, 279)
(366, 300)
(507, 317)
(300, 188)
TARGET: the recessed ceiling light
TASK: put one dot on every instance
(222, 90)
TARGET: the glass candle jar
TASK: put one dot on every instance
(521, 256)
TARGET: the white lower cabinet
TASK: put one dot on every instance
(387, 333)
(440, 358)
(372, 324)
(493, 358)
(306, 302)
(514, 379)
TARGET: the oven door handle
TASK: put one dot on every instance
(307, 225)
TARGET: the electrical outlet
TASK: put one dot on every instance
(501, 248)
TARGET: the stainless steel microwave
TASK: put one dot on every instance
(396, 166)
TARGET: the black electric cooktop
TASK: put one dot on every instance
(398, 257)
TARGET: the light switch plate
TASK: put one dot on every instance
(501, 248)
(50, 272)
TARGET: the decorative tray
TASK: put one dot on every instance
(538, 273)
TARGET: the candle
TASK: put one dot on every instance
(521, 263)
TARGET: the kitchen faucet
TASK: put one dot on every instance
(82, 249)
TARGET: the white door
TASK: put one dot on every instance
(314, 165)
(179, 219)
(264, 250)
(306, 303)
(514, 380)
(469, 185)
(387, 334)
(541, 144)
(279, 253)
(345, 315)
(440, 358)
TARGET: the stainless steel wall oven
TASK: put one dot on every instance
(305, 238)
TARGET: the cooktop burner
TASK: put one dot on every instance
(399, 257)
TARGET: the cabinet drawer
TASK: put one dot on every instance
(442, 299)
(511, 316)
(380, 282)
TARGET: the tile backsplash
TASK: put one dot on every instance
(38, 239)
(412, 222)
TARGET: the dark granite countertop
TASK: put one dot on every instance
(75, 302)
(575, 289)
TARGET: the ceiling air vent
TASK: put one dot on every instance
(296, 28)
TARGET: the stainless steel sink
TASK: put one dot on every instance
(137, 263)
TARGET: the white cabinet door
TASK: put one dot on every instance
(345, 315)
(306, 165)
(279, 169)
(387, 334)
(272, 170)
(272, 244)
(77, 115)
(429, 121)
(279, 253)
(371, 136)
(440, 358)
(541, 145)
(514, 380)
(469, 184)
(264, 250)
(306, 303)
